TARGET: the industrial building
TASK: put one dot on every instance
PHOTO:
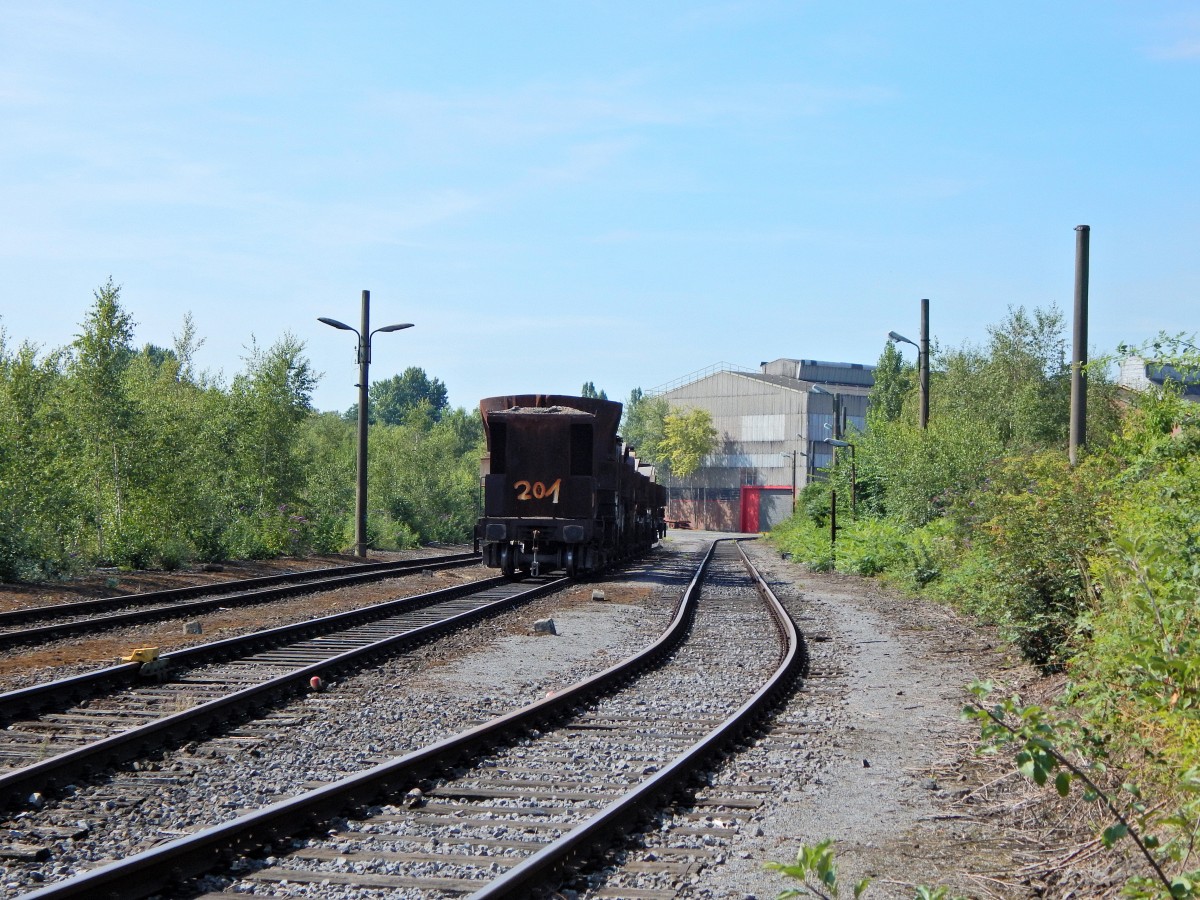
(1139, 374)
(773, 425)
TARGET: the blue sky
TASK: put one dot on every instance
(617, 192)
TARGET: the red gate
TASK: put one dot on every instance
(753, 518)
(751, 494)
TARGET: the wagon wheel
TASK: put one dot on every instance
(508, 563)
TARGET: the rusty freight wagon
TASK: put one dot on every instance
(561, 491)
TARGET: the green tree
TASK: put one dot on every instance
(158, 357)
(104, 413)
(1013, 395)
(589, 390)
(644, 426)
(393, 399)
(41, 513)
(1018, 388)
(425, 480)
(120, 455)
(329, 448)
(688, 437)
(269, 403)
(185, 346)
(893, 382)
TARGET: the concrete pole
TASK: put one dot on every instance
(833, 527)
(924, 364)
(1078, 436)
(360, 494)
(794, 454)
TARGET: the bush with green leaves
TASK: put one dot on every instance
(816, 867)
(1142, 667)
(872, 546)
(1025, 535)
(115, 455)
(1062, 751)
(804, 541)
(929, 551)
(412, 501)
(1094, 568)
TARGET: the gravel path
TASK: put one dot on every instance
(882, 702)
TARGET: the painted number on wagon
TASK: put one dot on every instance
(535, 490)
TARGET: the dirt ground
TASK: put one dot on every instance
(23, 666)
(900, 785)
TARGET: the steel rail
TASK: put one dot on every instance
(149, 872)
(252, 590)
(35, 698)
(624, 812)
(56, 771)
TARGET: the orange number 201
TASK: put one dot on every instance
(537, 491)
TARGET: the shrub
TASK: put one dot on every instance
(1143, 667)
(930, 552)
(871, 546)
(1025, 536)
(805, 541)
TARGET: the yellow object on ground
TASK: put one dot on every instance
(142, 655)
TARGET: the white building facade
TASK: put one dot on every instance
(772, 426)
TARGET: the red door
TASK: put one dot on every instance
(750, 504)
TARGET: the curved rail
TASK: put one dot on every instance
(617, 816)
(253, 590)
(179, 727)
(29, 700)
(148, 872)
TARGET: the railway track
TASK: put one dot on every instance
(20, 626)
(59, 732)
(461, 816)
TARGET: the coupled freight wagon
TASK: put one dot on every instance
(561, 491)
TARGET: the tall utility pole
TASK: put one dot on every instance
(1078, 436)
(924, 364)
(363, 357)
(922, 345)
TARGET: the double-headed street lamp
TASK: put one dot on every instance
(363, 356)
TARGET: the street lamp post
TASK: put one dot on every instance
(837, 407)
(363, 356)
(793, 454)
(922, 371)
(853, 473)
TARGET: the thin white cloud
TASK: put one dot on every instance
(536, 112)
(731, 13)
(581, 162)
(1177, 38)
(1187, 48)
(522, 115)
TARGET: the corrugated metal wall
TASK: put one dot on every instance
(758, 421)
